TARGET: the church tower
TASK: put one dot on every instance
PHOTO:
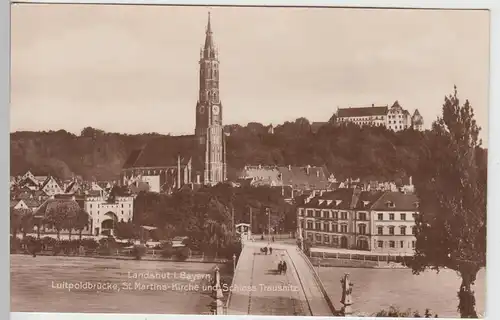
(209, 129)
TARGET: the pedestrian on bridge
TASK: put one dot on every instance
(270, 250)
(280, 267)
(283, 266)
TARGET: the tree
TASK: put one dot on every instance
(451, 186)
(82, 221)
(21, 220)
(57, 213)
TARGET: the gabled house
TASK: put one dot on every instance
(51, 187)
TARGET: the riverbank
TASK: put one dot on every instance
(345, 258)
(125, 257)
(347, 263)
(36, 285)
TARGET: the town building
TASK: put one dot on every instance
(349, 218)
(104, 210)
(325, 219)
(393, 220)
(394, 118)
(296, 177)
(372, 116)
(169, 163)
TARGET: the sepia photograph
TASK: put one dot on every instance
(248, 160)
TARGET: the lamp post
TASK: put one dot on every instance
(269, 224)
(234, 263)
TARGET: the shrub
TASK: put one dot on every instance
(15, 245)
(167, 251)
(394, 312)
(182, 253)
(138, 252)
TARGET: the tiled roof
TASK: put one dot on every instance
(399, 200)
(13, 203)
(304, 178)
(362, 112)
(164, 151)
(32, 203)
(52, 204)
(367, 199)
(338, 199)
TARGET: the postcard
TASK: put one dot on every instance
(237, 160)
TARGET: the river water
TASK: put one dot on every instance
(377, 289)
(37, 286)
(41, 285)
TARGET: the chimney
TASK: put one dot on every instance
(198, 179)
(317, 173)
(411, 181)
(178, 171)
(308, 168)
(260, 166)
(289, 167)
(373, 105)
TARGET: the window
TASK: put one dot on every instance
(309, 213)
(403, 230)
(301, 212)
(391, 230)
(380, 216)
(318, 225)
(413, 244)
(402, 244)
(326, 238)
(335, 228)
(380, 244)
(318, 237)
(414, 216)
(326, 214)
(344, 215)
(343, 228)
(362, 229)
(309, 225)
(326, 227)
(91, 205)
(362, 216)
(335, 241)
(414, 230)
(392, 244)
(317, 214)
(335, 215)
(380, 230)
(403, 216)
(391, 216)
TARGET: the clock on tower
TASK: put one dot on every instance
(215, 110)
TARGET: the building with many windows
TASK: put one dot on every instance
(393, 223)
(376, 221)
(394, 118)
(326, 218)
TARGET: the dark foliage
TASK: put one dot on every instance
(346, 150)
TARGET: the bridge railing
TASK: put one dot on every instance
(320, 283)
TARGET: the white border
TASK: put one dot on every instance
(493, 282)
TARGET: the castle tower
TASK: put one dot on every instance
(417, 121)
(209, 129)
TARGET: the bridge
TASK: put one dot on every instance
(258, 289)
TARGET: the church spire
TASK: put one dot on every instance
(209, 49)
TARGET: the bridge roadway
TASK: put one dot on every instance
(258, 289)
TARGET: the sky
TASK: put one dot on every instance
(133, 69)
